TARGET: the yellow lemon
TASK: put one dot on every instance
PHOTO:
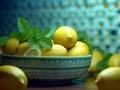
(79, 43)
(96, 57)
(65, 36)
(80, 49)
(32, 51)
(10, 46)
(12, 78)
(114, 60)
(22, 48)
(56, 50)
(109, 79)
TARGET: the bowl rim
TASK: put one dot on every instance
(15, 56)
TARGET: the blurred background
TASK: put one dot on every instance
(99, 18)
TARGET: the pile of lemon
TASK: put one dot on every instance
(14, 47)
(65, 43)
(108, 78)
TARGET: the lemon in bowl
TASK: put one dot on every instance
(65, 36)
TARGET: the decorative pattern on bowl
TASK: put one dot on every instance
(50, 68)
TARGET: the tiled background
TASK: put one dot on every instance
(99, 18)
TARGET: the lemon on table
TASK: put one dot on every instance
(32, 51)
(114, 60)
(12, 78)
(10, 46)
(80, 49)
(96, 57)
(65, 36)
(22, 47)
(56, 50)
(109, 79)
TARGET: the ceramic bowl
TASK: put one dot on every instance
(50, 68)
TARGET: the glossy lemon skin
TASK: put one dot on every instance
(65, 36)
(12, 78)
(109, 79)
(114, 60)
(80, 49)
(56, 50)
(10, 46)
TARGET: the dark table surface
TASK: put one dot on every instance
(87, 84)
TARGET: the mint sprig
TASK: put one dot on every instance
(34, 36)
(40, 40)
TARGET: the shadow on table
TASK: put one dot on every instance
(37, 83)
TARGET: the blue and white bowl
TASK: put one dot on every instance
(51, 68)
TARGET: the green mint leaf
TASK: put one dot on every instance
(82, 36)
(38, 45)
(25, 36)
(3, 40)
(45, 42)
(23, 24)
(41, 43)
(15, 34)
(36, 32)
(108, 55)
(33, 41)
(45, 31)
(102, 65)
(90, 45)
(51, 32)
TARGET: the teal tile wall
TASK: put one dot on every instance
(99, 18)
